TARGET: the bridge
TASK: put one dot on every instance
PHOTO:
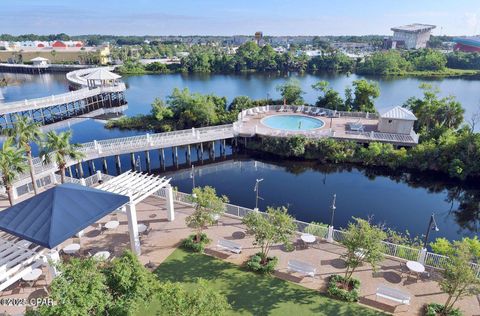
(129, 145)
(94, 92)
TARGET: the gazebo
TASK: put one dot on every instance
(46, 220)
(101, 77)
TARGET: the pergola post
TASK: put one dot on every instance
(133, 228)
(169, 200)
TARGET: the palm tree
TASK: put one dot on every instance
(57, 147)
(25, 132)
(12, 163)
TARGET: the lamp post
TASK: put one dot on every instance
(256, 189)
(333, 208)
(432, 225)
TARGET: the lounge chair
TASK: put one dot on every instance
(322, 113)
(315, 112)
(356, 126)
(298, 109)
(281, 109)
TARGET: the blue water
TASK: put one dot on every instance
(292, 122)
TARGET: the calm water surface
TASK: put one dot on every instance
(403, 202)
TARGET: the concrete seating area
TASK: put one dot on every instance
(301, 267)
(229, 245)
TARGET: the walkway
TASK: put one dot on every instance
(166, 236)
(126, 145)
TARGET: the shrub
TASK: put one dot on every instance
(191, 242)
(434, 309)
(254, 264)
(335, 288)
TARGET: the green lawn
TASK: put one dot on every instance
(249, 293)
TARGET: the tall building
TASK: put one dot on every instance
(412, 36)
(259, 38)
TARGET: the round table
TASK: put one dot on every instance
(141, 228)
(102, 255)
(71, 249)
(32, 276)
(308, 238)
(112, 225)
(415, 266)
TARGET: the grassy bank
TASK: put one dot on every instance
(249, 293)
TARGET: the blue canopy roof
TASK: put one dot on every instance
(57, 214)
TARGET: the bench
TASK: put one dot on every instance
(301, 267)
(393, 295)
(229, 245)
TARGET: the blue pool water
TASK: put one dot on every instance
(293, 122)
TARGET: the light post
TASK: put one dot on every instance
(256, 189)
(333, 208)
(432, 225)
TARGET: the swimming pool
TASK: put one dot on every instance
(292, 122)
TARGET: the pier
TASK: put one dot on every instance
(99, 92)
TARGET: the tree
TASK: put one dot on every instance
(208, 206)
(291, 91)
(174, 299)
(160, 111)
(363, 244)
(365, 93)
(330, 98)
(241, 103)
(57, 148)
(25, 132)
(459, 278)
(12, 163)
(275, 226)
(433, 112)
(80, 289)
(131, 284)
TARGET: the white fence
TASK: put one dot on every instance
(396, 251)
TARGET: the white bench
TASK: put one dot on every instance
(393, 294)
(301, 267)
(229, 245)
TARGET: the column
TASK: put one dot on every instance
(169, 201)
(133, 228)
(188, 155)
(147, 160)
(105, 166)
(330, 234)
(132, 157)
(119, 164)
(80, 169)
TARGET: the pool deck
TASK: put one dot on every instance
(335, 127)
(166, 236)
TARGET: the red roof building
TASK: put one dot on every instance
(59, 44)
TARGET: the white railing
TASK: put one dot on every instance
(118, 146)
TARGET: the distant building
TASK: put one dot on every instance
(396, 120)
(259, 38)
(467, 44)
(412, 36)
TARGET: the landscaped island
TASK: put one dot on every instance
(447, 144)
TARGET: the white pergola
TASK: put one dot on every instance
(18, 257)
(138, 186)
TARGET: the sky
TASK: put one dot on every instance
(234, 17)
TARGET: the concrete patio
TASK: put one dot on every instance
(165, 236)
